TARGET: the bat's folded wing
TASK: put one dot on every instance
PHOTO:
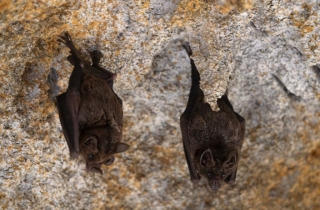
(69, 124)
(186, 146)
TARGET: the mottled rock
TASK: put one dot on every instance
(265, 53)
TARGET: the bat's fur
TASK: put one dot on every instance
(90, 112)
(211, 140)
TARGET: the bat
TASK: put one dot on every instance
(90, 112)
(211, 140)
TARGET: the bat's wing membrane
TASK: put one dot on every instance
(195, 95)
(69, 103)
(231, 179)
(186, 146)
(69, 127)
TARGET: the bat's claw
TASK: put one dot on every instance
(66, 39)
(232, 182)
(187, 47)
(74, 154)
(195, 179)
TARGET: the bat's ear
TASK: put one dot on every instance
(231, 160)
(91, 143)
(70, 58)
(206, 159)
(121, 147)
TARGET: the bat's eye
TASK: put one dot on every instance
(90, 157)
(209, 174)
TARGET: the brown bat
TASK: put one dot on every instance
(90, 112)
(211, 140)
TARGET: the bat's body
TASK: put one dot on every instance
(211, 140)
(90, 112)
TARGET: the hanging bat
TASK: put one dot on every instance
(90, 111)
(211, 140)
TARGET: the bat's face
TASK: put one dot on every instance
(219, 167)
(98, 146)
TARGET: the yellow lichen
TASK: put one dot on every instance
(239, 5)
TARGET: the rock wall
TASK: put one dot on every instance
(266, 53)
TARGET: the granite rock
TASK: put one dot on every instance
(266, 54)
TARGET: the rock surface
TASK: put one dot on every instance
(266, 53)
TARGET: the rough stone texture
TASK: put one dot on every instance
(266, 52)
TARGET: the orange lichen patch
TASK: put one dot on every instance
(9, 148)
(27, 165)
(94, 25)
(283, 184)
(192, 6)
(137, 184)
(307, 29)
(5, 5)
(117, 52)
(138, 78)
(74, 19)
(165, 155)
(15, 167)
(121, 191)
(307, 186)
(143, 4)
(2, 195)
(311, 128)
(315, 153)
(262, 74)
(21, 159)
(26, 10)
(187, 9)
(300, 19)
(4, 96)
(239, 5)
(313, 43)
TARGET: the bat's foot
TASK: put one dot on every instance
(96, 56)
(230, 181)
(195, 179)
(66, 39)
(187, 47)
(74, 154)
(76, 56)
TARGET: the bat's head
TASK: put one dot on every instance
(98, 146)
(219, 166)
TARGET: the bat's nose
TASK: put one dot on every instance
(215, 185)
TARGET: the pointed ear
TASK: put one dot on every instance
(121, 147)
(231, 160)
(91, 142)
(206, 158)
(70, 58)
